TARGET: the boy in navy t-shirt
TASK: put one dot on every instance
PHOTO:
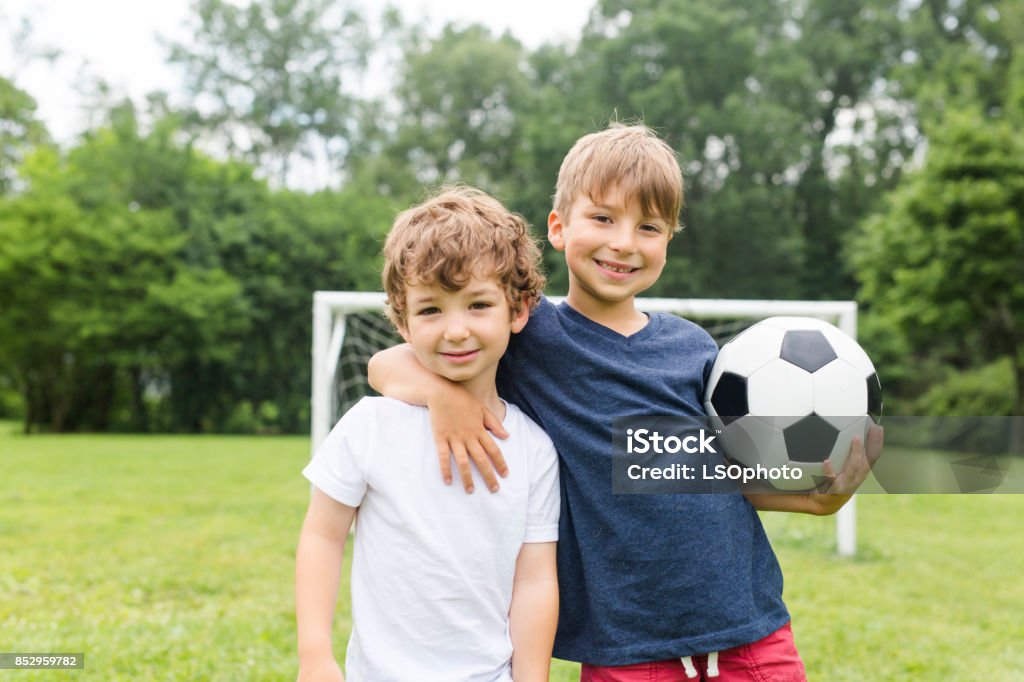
(656, 586)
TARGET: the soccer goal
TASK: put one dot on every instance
(349, 327)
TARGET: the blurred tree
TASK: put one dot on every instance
(751, 97)
(154, 288)
(955, 57)
(555, 113)
(478, 108)
(958, 53)
(274, 78)
(944, 261)
(176, 287)
(855, 140)
(20, 130)
(99, 291)
(281, 251)
(460, 100)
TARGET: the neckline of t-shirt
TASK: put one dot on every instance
(508, 410)
(653, 322)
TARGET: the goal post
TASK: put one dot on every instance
(349, 326)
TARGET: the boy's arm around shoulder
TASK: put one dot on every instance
(840, 490)
(461, 425)
(317, 571)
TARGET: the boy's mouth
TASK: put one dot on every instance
(619, 268)
(459, 356)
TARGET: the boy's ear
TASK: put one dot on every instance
(403, 332)
(555, 231)
(520, 318)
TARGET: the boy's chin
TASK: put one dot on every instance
(615, 295)
(457, 374)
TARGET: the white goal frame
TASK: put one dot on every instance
(331, 309)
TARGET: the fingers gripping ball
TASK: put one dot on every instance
(792, 391)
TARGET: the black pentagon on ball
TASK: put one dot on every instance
(807, 349)
(810, 440)
(730, 397)
(874, 398)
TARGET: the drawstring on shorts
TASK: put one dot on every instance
(713, 664)
(691, 670)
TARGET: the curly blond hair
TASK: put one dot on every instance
(456, 234)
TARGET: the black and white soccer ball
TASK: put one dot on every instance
(792, 391)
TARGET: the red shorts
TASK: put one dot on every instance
(772, 659)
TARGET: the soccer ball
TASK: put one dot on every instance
(792, 391)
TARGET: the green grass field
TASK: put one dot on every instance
(171, 558)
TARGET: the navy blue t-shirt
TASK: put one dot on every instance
(641, 577)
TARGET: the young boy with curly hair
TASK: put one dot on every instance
(445, 586)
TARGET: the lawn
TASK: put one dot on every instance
(171, 558)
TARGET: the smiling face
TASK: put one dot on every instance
(614, 251)
(461, 334)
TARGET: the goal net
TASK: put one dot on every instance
(349, 327)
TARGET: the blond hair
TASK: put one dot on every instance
(459, 233)
(631, 157)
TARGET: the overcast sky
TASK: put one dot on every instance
(116, 40)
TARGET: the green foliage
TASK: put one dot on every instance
(11, 404)
(960, 54)
(460, 97)
(902, 372)
(988, 390)
(154, 288)
(301, 244)
(749, 95)
(99, 282)
(19, 129)
(945, 259)
(274, 76)
(176, 287)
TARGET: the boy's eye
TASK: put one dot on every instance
(480, 305)
(650, 227)
(429, 310)
(602, 218)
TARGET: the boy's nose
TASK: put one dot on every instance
(456, 331)
(624, 239)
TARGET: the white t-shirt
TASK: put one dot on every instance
(432, 567)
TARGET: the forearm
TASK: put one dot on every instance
(396, 373)
(317, 574)
(533, 618)
(462, 426)
(801, 503)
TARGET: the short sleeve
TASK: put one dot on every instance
(545, 498)
(337, 467)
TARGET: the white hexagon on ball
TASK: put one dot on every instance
(840, 393)
(753, 349)
(850, 351)
(764, 396)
